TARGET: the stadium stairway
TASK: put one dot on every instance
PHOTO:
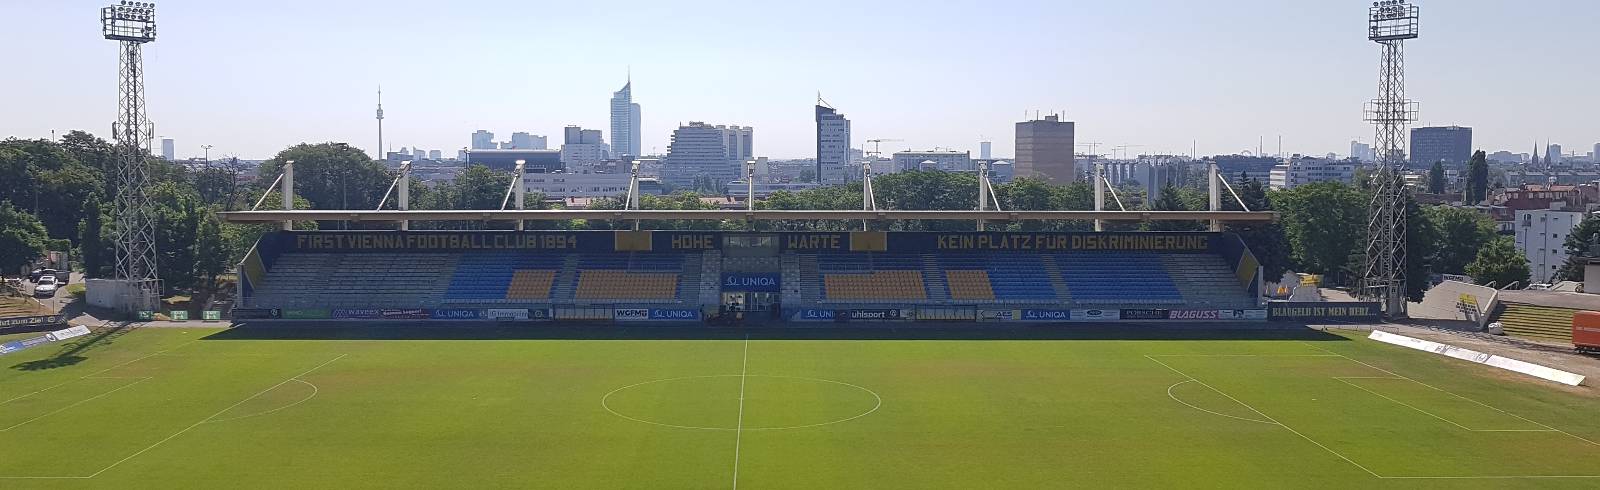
(933, 277)
(1535, 322)
(567, 280)
(1054, 270)
(1206, 280)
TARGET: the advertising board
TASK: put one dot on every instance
(1144, 314)
(869, 315)
(999, 315)
(254, 313)
(1242, 314)
(1193, 315)
(1323, 310)
(404, 314)
(506, 313)
(32, 321)
(674, 314)
(304, 314)
(631, 314)
(457, 314)
(1096, 315)
(358, 313)
(1046, 315)
(814, 315)
(751, 281)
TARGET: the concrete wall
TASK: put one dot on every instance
(1452, 300)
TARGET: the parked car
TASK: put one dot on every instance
(46, 287)
(38, 273)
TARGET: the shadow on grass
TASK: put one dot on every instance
(490, 331)
(69, 353)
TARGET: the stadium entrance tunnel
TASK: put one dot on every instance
(714, 402)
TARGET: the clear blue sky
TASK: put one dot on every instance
(251, 78)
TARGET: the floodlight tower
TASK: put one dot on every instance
(1389, 23)
(132, 24)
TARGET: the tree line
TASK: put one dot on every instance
(58, 195)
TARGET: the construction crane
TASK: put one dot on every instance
(1122, 148)
(1092, 146)
(875, 146)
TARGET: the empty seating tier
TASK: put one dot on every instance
(619, 285)
(969, 285)
(530, 284)
(1128, 278)
(878, 285)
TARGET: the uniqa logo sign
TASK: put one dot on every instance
(1044, 315)
(747, 281)
(666, 314)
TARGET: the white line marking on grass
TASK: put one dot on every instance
(219, 412)
(314, 391)
(1241, 355)
(74, 404)
(1447, 392)
(1268, 417)
(96, 373)
(738, 431)
(606, 403)
(1425, 412)
(1190, 405)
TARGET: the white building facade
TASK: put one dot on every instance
(1541, 236)
(582, 149)
(944, 160)
(1306, 170)
(482, 140)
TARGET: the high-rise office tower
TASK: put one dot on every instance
(833, 146)
(525, 141)
(1045, 150)
(168, 149)
(984, 150)
(624, 122)
(582, 148)
(740, 142)
(435, 155)
(1552, 154)
(699, 154)
(1449, 144)
(1360, 151)
(483, 140)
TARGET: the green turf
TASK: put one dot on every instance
(172, 408)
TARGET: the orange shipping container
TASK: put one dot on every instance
(1586, 330)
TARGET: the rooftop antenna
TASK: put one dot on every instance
(380, 155)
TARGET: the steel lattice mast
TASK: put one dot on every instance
(1389, 24)
(132, 24)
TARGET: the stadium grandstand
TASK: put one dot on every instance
(697, 276)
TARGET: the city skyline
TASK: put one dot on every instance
(1221, 93)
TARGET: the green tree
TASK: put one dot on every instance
(177, 214)
(95, 250)
(1265, 239)
(1436, 178)
(22, 238)
(1477, 178)
(1458, 234)
(211, 255)
(1171, 199)
(1499, 263)
(1422, 238)
(1326, 226)
(332, 175)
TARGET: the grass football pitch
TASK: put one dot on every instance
(208, 408)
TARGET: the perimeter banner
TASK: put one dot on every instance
(1323, 310)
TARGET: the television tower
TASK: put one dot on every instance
(379, 155)
(1389, 23)
(132, 24)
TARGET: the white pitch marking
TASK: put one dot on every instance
(1268, 417)
(219, 412)
(74, 404)
(1190, 405)
(93, 374)
(314, 391)
(738, 431)
(1447, 392)
(878, 402)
